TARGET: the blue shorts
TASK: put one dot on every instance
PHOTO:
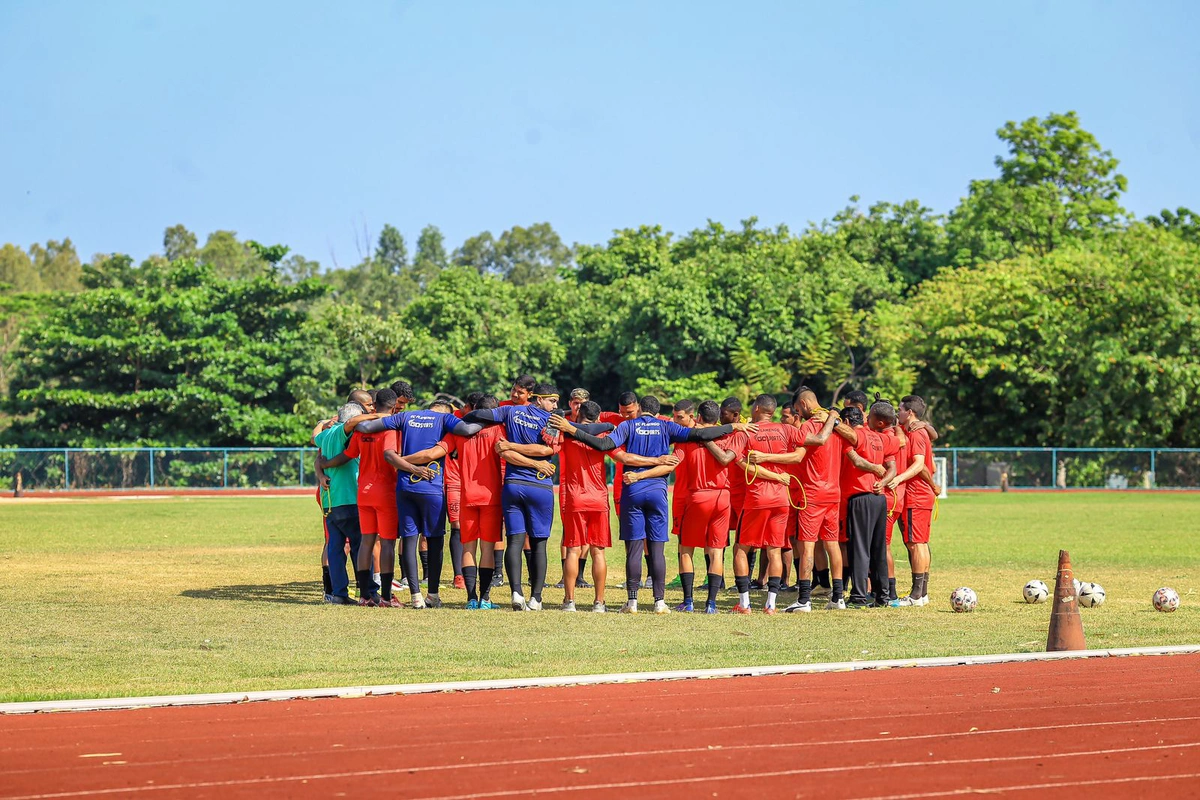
(643, 512)
(528, 509)
(421, 512)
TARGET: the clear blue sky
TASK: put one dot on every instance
(298, 122)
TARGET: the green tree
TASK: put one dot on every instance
(1182, 222)
(17, 273)
(390, 252)
(478, 253)
(1091, 345)
(431, 255)
(179, 242)
(1056, 186)
(521, 255)
(231, 258)
(195, 359)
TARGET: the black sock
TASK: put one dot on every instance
(436, 554)
(822, 578)
(409, 561)
(656, 555)
(326, 581)
(836, 590)
(424, 556)
(891, 588)
(633, 567)
(688, 580)
(385, 588)
(742, 582)
(529, 559)
(773, 582)
(751, 559)
(512, 561)
(366, 584)
(456, 550)
(805, 592)
(485, 582)
(924, 584)
(580, 579)
(537, 569)
(470, 576)
(714, 586)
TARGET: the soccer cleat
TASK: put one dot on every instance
(533, 604)
(599, 608)
(518, 602)
(756, 585)
(660, 607)
(675, 583)
(904, 602)
(341, 600)
(836, 605)
(486, 605)
(770, 611)
(629, 608)
(580, 583)
(418, 601)
(394, 602)
(328, 599)
(497, 579)
(568, 605)
(369, 602)
(798, 606)
(686, 606)
(559, 585)
(710, 608)
(820, 591)
(648, 583)
(740, 609)
(472, 605)
(459, 582)
(433, 601)
(922, 601)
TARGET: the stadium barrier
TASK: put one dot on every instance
(159, 468)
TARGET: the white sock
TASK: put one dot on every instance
(378, 581)
(770, 599)
(744, 599)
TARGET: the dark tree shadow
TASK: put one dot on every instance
(305, 593)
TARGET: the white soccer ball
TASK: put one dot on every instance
(1166, 599)
(963, 599)
(1091, 595)
(1078, 586)
(1036, 592)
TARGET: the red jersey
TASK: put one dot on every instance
(680, 491)
(737, 443)
(482, 479)
(452, 475)
(376, 477)
(703, 472)
(613, 418)
(919, 493)
(582, 474)
(772, 437)
(902, 462)
(874, 448)
(820, 471)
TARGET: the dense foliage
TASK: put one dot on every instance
(1035, 312)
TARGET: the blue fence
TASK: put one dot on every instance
(131, 468)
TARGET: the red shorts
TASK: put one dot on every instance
(705, 521)
(820, 524)
(584, 528)
(453, 501)
(914, 525)
(381, 520)
(763, 527)
(482, 523)
(679, 504)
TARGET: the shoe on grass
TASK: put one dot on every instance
(569, 605)
(740, 609)
(660, 607)
(460, 582)
(472, 605)
(580, 583)
(599, 608)
(560, 585)
(433, 601)
(533, 604)
(836, 605)
(710, 608)
(487, 605)
(629, 608)
(687, 606)
(770, 611)
(798, 606)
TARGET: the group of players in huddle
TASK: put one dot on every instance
(844, 478)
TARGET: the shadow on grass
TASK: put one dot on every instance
(297, 593)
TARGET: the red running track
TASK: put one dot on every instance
(1123, 727)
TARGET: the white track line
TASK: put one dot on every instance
(624, 784)
(1031, 786)
(575, 680)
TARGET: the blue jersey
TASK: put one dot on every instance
(420, 430)
(650, 437)
(523, 425)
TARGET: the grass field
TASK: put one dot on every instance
(114, 598)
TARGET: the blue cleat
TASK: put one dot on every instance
(472, 605)
(486, 605)
(686, 606)
(710, 607)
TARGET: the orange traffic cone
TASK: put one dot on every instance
(1066, 626)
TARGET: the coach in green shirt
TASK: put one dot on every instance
(339, 502)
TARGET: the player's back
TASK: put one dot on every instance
(376, 477)
(582, 477)
(481, 476)
(820, 471)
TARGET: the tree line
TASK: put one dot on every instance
(1036, 312)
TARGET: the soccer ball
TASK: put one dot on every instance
(1091, 595)
(1078, 586)
(1036, 592)
(963, 599)
(1166, 599)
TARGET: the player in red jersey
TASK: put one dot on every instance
(704, 515)
(870, 464)
(583, 499)
(378, 460)
(480, 514)
(921, 492)
(575, 399)
(816, 469)
(765, 512)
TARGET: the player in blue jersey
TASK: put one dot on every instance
(421, 502)
(528, 496)
(644, 508)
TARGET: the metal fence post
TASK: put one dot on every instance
(151, 452)
(225, 471)
(66, 470)
(955, 453)
(1054, 468)
(1153, 468)
(301, 454)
